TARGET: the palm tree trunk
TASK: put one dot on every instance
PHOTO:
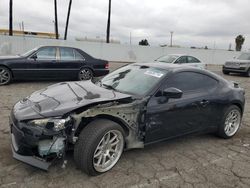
(67, 22)
(56, 23)
(10, 18)
(108, 24)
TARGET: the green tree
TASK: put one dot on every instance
(239, 41)
(144, 42)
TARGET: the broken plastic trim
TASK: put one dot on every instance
(128, 113)
(31, 160)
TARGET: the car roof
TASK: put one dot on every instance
(176, 55)
(56, 46)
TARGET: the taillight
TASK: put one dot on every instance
(106, 65)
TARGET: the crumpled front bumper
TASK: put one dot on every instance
(31, 160)
(24, 148)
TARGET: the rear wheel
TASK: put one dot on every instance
(230, 123)
(85, 74)
(99, 147)
(5, 76)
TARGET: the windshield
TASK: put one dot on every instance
(244, 56)
(134, 79)
(167, 58)
(28, 52)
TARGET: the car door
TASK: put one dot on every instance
(192, 61)
(43, 63)
(167, 118)
(181, 60)
(69, 62)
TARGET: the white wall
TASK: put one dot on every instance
(112, 52)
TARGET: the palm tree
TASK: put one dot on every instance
(108, 24)
(67, 22)
(10, 18)
(239, 41)
(56, 23)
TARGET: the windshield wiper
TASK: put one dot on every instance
(109, 87)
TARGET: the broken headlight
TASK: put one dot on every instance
(56, 124)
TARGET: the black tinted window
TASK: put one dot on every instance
(191, 81)
(46, 53)
(192, 60)
(66, 54)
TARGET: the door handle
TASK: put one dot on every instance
(204, 103)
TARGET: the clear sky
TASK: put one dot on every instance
(194, 22)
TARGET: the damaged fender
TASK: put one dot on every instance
(132, 114)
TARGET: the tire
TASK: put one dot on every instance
(89, 145)
(225, 72)
(229, 123)
(248, 73)
(5, 76)
(85, 74)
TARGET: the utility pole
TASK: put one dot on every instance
(171, 38)
(10, 18)
(108, 24)
(67, 22)
(56, 23)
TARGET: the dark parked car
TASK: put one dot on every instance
(51, 62)
(240, 64)
(134, 106)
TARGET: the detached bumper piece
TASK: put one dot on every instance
(31, 160)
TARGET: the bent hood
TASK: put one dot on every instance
(58, 99)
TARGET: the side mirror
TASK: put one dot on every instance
(34, 57)
(172, 92)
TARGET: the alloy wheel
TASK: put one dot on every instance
(108, 151)
(4, 76)
(232, 122)
(85, 74)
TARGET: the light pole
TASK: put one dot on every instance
(171, 38)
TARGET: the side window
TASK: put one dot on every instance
(191, 81)
(192, 60)
(78, 56)
(66, 54)
(47, 53)
(181, 60)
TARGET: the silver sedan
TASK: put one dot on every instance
(181, 59)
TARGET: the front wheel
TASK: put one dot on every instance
(99, 147)
(85, 74)
(225, 72)
(230, 123)
(248, 73)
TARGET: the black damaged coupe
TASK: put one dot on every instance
(51, 63)
(136, 105)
